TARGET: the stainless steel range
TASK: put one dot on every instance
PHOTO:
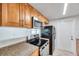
(44, 49)
(42, 44)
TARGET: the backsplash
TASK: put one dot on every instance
(7, 33)
(33, 32)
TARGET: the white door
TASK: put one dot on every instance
(66, 30)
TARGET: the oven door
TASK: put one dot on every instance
(44, 50)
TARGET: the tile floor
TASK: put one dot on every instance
(59, 52)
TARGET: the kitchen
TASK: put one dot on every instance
(20, 27)
(29, 29)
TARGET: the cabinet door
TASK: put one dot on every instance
(35, 13)
(43, 19)
(36, 53)
(13, 14)
(27, 17)
(21, 14)
(0, 13)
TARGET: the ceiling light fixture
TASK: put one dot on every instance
(65, 8)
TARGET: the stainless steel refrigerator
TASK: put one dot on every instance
(49, 32)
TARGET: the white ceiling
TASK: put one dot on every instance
(55, 10)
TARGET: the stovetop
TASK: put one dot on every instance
(37, 42)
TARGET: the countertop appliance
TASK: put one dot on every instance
(49, 32)
(42, 45)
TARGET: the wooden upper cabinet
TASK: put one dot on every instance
(25, 15)
(43, 19)
(0, 14)
(34, 13)
(10, 14)
(27, 22)
(13, 14)
(4, 14)
(21, 14)
(38, 15)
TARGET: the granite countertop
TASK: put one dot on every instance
(20, 49)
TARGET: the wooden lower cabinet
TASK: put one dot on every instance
(35, 52)
(77, 46)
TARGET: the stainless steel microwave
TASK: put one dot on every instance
(36, 23)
